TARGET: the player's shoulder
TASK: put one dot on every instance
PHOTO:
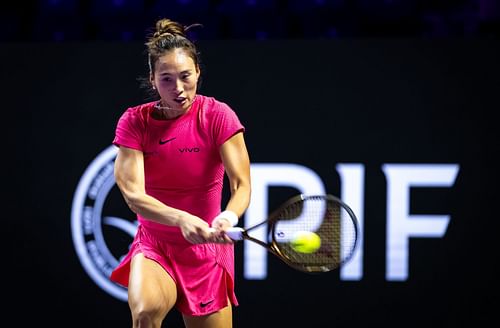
(138, 112)
(212, 105)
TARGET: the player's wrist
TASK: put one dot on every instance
(228, 215)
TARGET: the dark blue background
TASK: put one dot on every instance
(127, 20)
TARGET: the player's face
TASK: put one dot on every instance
(176, 77)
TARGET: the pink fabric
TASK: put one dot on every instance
(183, 169)
(186, 171)
(203, 273)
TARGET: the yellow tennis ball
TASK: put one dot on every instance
(305, 242)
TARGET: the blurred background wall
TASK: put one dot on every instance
(127, 20)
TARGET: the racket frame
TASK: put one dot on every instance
(273, 245)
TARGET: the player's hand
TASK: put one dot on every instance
(196, 230)
(219, 236)
(219, 225)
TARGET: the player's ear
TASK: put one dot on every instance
(198, 72)
(152, 81)
(198, 76)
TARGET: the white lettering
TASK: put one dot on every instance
(352, 180)
(400, 224)
(305, 180)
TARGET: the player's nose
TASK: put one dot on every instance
(178, 87)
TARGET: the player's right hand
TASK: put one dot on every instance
(195, 230)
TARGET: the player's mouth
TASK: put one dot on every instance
(180, 100)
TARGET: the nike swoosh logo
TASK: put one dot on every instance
(205, 304)
(162, 142)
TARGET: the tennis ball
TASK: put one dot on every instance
(305, 242)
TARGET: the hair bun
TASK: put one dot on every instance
(166, 26)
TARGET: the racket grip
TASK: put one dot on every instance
(235, 233)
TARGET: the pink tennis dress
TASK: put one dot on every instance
(183, 169)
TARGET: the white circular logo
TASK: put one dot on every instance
(100, 235)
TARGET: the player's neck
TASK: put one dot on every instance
(162, 112)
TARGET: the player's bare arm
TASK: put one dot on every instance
(129, 175)
(236, 161)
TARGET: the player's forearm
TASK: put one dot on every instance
(152, 209)
(240, 198)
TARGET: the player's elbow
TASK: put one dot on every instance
(241, 185)
(131, 195)
(243, 188)
(133, 200)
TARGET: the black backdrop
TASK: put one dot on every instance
(315, 103)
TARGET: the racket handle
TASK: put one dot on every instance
(235, 233)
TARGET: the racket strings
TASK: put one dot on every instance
(326, 218)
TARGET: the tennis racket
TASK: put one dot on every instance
(325, 215)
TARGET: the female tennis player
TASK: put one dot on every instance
(173, 154)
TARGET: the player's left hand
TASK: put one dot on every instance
(219, 226)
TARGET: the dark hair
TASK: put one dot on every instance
(170, 35)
